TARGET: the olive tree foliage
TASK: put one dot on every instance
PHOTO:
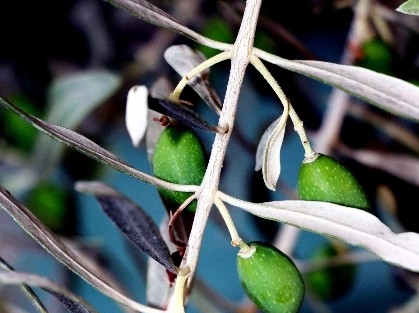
(350, 225)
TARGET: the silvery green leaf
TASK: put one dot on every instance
(136, 113)
(183, 59)
(149, 13)
(350, 225)
(56, 247)
(28, 290)
(402, 166)
(71, 99)
(133, 221)
(410, 7)
(391, 94)
(268, 152)
(79, 143)
(72, 302)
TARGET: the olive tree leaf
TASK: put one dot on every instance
(72, 302)
(268, 152)
(350, 225)
(159, 288)
(85, 146)
(133, 221)
(28, 290)
(56, 247)
(410, 7)
(181, 113)
(136, 113)
(391, 94)
(405, 167)
(70, 99)
(183, 59)
(149, 13)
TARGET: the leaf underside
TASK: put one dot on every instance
(133, 221)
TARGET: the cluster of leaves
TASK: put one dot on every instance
(350, 225)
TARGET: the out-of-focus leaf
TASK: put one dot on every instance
(139, 228)
(159, 288)
(350, 225)
(183, 59)
(409, 7)
(136, 113)
(402, 166)
(268, 153)
(28, 291)
(70, 99)
(72, 302)
(181, 113)
(388, 93)
(51, 243)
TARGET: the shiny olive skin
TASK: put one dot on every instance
(322, 178)
(270, 278)
(179, 157)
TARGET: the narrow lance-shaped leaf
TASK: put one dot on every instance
(29, 292)
(139, 228)
(388, 93)
(183, 59)
(409, 7)
(268, 152)
(153, 15)
(72, 302)
(181, 113)
(52, 244)
(353, 226)
(405, 167)
(70, 99)
(87, 147)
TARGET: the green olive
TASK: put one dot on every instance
(48, 202)
(377, 55)
(270, 278)
(322, 178)
(179, 157)
(333, 282)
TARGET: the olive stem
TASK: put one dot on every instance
(240, 57)
(176, 304)
(235, 238)
(257, 63)
(222, 56)
(288, 109)
(299, 128)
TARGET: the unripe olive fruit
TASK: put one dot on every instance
(270, 278)
(333, 282)
(377, 55)
(179, 157)
(322, 178)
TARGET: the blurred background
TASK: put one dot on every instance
(72, 63)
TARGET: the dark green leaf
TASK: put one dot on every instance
(139, 228)
(180, 113)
